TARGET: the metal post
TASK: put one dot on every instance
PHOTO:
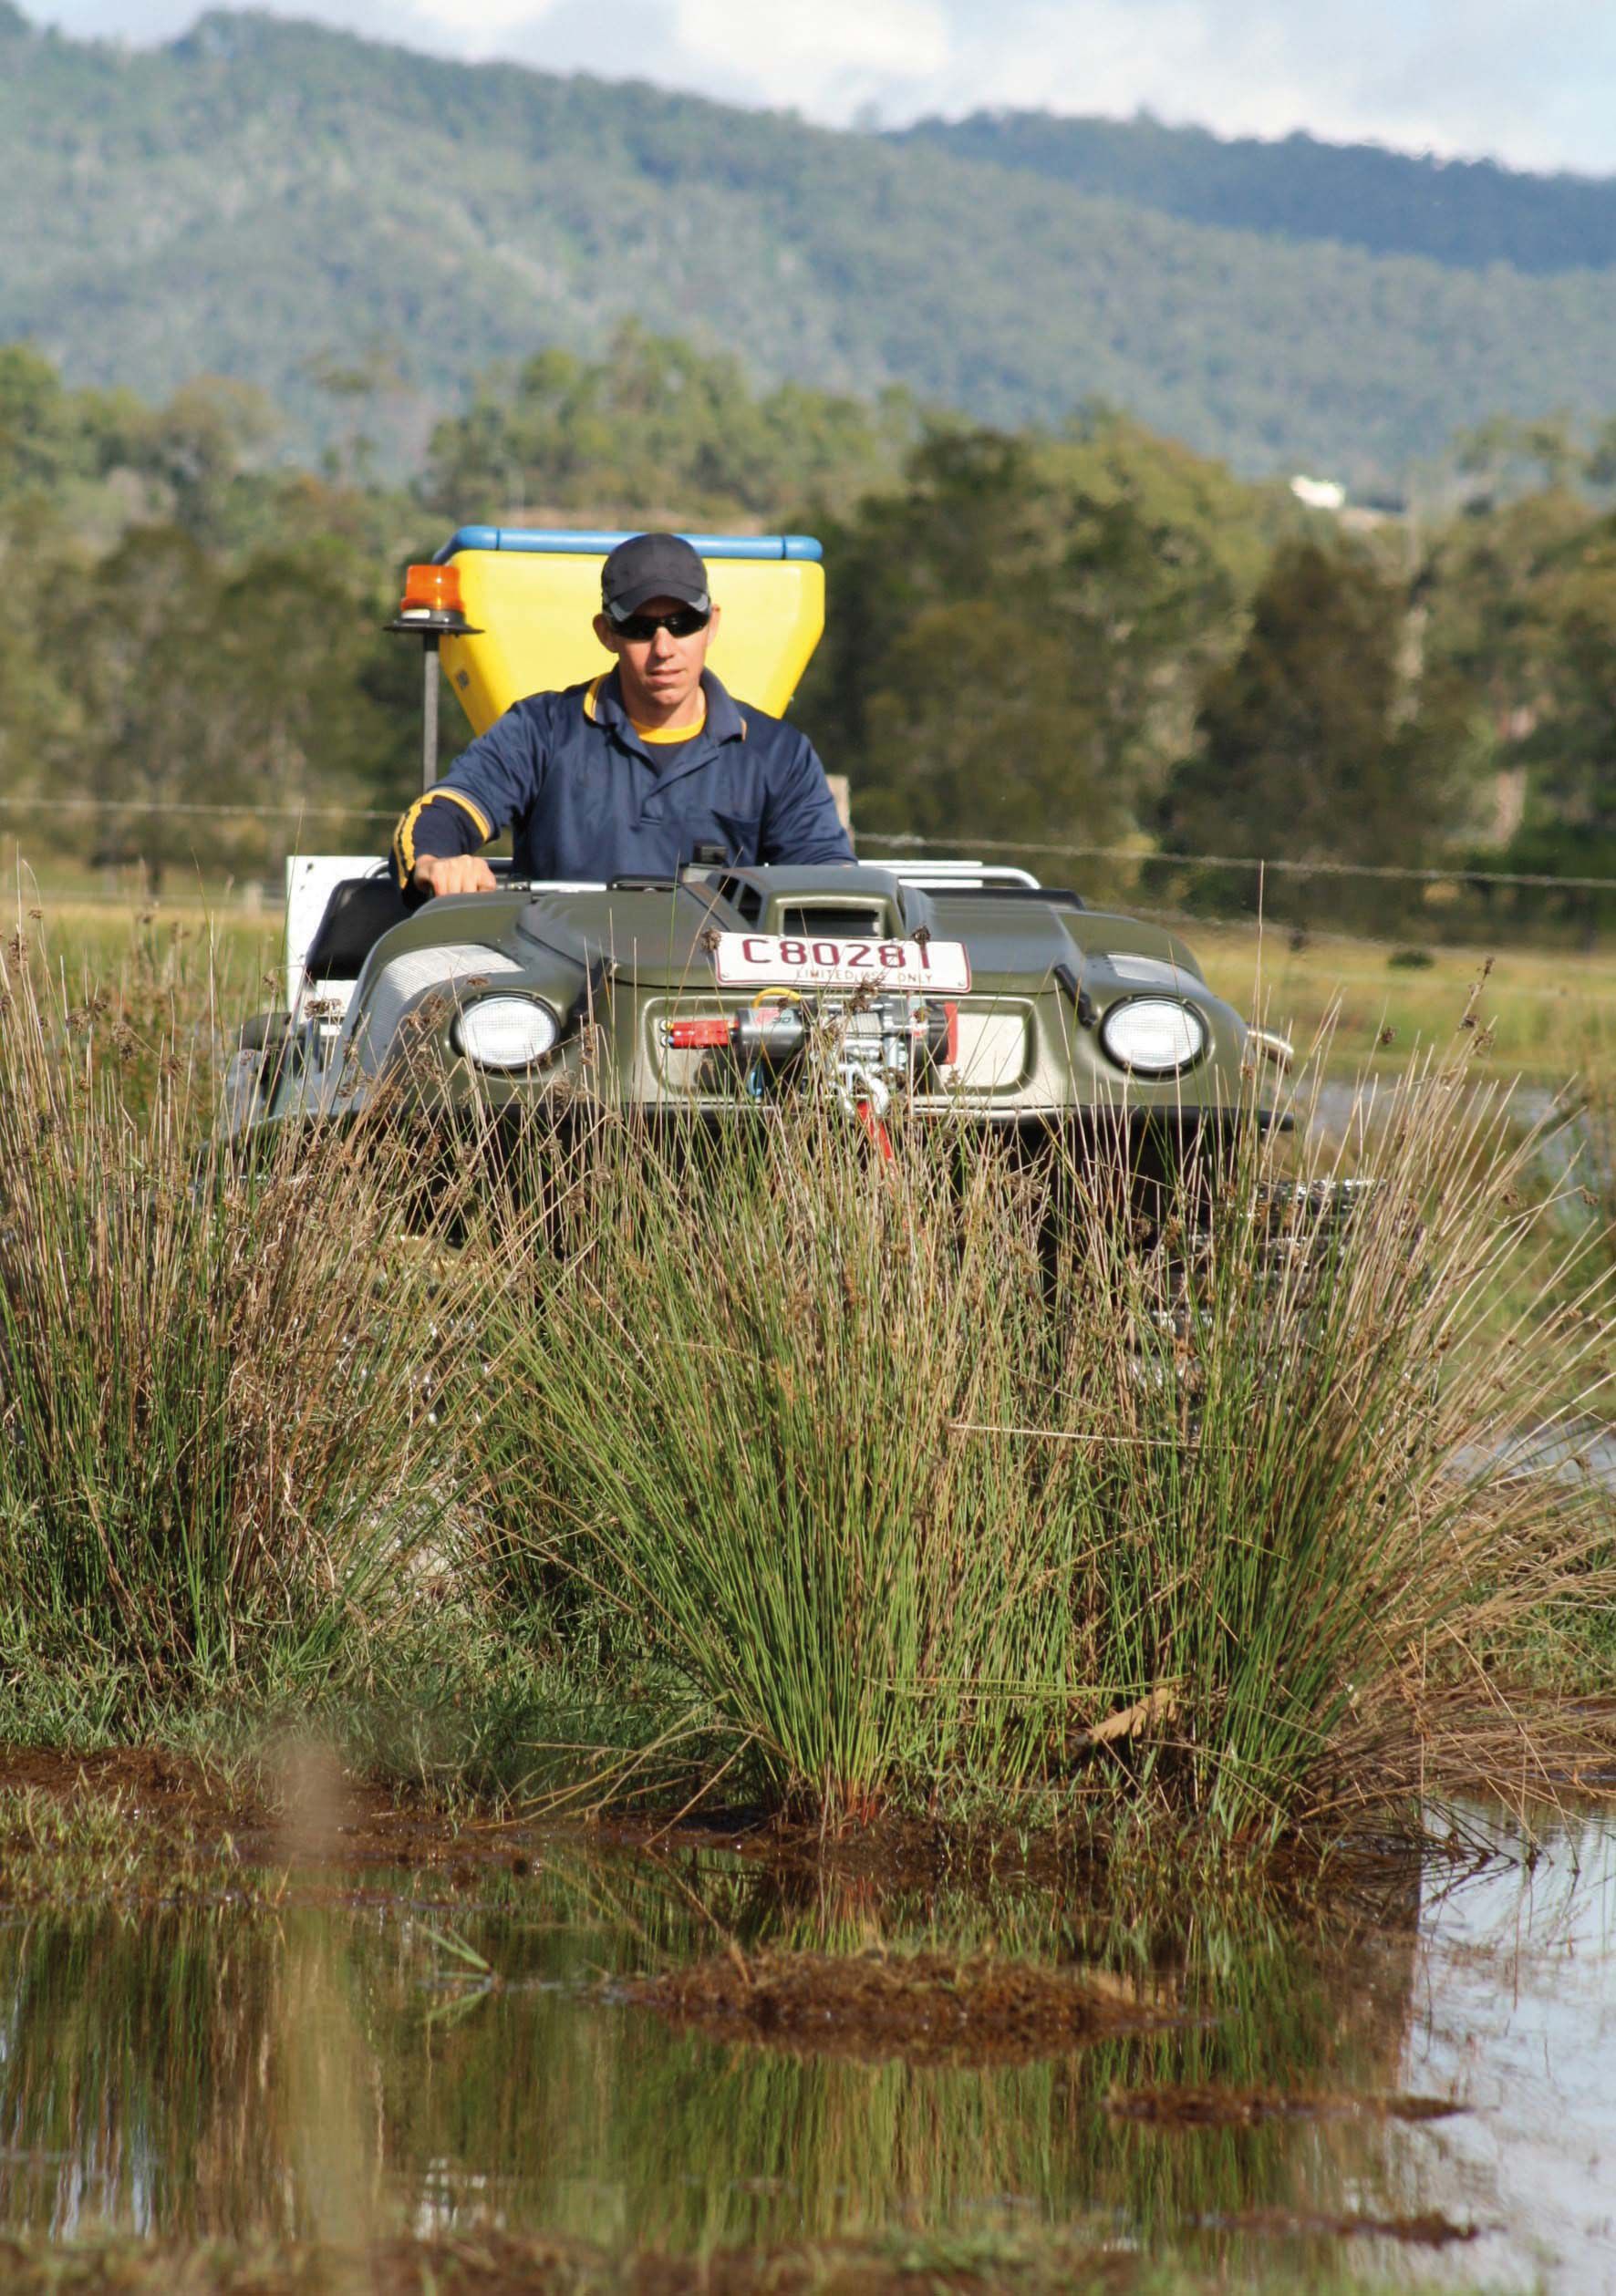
(429, 756)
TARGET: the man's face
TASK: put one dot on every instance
(661, 673)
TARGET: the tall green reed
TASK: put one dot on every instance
(1595, 1123)
(971, 1475)
(727, 1408)
(213, 1376)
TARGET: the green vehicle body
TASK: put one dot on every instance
(626, 975)
(958, 991)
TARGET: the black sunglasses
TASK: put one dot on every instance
(683, 622)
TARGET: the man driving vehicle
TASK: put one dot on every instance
(629, 773)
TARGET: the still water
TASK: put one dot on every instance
(335, 2065)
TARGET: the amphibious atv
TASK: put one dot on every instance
(947, 989)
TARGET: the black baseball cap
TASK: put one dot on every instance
(653, 566)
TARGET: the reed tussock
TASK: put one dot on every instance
(979, 1480)
(972, 1475)
(212, 1385)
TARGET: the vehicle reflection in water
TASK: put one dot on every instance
(341, 2070)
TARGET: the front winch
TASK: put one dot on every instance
(861, 1049)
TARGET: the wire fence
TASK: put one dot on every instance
(1456, 872)
(1271, 864)
(1456, 902)
(293, 809)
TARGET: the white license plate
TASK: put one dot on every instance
(766, 960)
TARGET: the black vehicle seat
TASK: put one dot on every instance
(360, 910)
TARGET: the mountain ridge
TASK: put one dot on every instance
(1463, 213)
(262, 196)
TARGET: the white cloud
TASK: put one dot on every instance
(1532, 81)
(892, 35)
(817, 52)
(475, 27)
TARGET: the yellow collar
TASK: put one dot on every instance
(673, 733)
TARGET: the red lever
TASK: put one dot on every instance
(877, 1130)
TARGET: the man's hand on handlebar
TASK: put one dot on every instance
(456, 872)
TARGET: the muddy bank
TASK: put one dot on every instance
(1431, 2230)
(493, 2264)
(924, 2008)
(145, 1822)
(295, 1805)
(1166, 2107)
(292, 1806)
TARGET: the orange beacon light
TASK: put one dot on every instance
(432, 609)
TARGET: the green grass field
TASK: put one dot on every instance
(1544, 1014)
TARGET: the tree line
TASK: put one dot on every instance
(1082, 634)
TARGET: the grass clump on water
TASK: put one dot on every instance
(955, 1480)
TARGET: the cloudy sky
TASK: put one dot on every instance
(1530, 81)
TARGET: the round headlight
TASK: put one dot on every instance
(1153, 1036)
(505, 1032)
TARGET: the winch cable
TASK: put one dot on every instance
(874, 1126)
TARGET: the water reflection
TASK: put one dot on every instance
(1514, 2010)
(223, 2070)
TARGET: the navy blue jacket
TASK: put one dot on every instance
(585, 798)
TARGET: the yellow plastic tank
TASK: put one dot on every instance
(533, 594)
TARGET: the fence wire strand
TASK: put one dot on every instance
(1456, 873)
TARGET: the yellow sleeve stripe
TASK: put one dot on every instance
(404, 835)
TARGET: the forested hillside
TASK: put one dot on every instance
(358, 231)
(1467, 213)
